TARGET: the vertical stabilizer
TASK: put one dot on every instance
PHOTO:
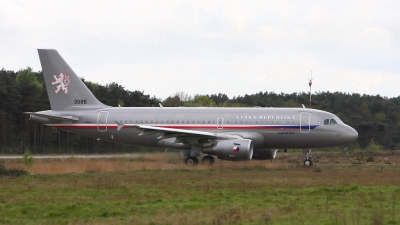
(64, 87)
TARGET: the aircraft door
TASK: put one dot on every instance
(220, 123)
(305, 118)
(102, 121)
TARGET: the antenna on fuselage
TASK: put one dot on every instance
(309, 84)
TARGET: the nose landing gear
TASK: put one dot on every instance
(307, 155)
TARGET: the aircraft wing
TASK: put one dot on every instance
(61, 118)
(177, 133)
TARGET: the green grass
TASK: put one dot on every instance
(333, 195)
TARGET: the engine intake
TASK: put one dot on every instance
(237, 149)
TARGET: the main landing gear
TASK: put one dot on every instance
(193, 161)
(208, 160)
(307, 157)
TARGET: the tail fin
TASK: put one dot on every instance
(64, 87)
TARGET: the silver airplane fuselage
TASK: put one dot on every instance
(267, 127)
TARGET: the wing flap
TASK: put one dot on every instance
(165, 130)
(180, 134)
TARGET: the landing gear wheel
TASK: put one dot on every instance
(208, 160)
(307, 162)
(191, 161)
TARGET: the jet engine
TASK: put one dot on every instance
(263, 154)
(237, 149)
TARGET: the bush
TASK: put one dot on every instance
(373, 147)
(359, 155)
(11, 172)
(370, 159)
(27, 159)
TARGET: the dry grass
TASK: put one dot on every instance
(145, 162)
(84, 165)
(171, 161)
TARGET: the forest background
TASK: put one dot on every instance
(376, 118)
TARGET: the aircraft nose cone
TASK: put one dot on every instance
(351, 134)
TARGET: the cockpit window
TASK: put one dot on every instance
(336, 120)
(339, 121)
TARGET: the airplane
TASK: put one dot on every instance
(228, 133)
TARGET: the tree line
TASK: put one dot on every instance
(376, 118)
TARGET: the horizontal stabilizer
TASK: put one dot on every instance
(61, 118)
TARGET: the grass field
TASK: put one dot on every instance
(160, 189)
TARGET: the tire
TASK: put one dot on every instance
(208, 160)
(191, 161)
(307, 162)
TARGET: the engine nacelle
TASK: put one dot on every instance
(263, 154)
(237, 149)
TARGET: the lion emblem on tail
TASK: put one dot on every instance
(63, 81)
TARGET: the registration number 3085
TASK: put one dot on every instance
(80, 101)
